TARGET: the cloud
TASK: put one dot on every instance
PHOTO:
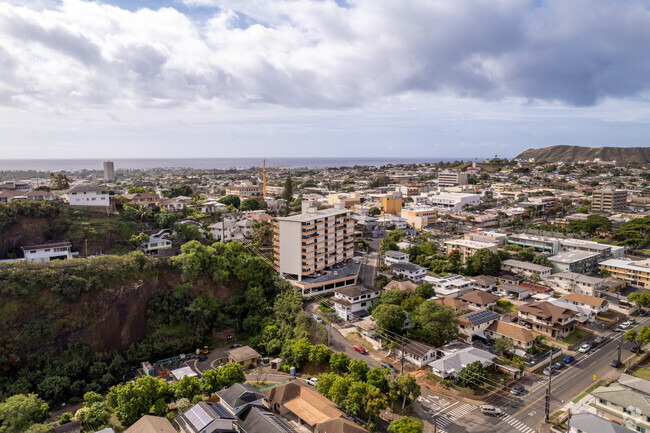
(321, 54)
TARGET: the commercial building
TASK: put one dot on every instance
(609, 200)
(452, 200)
(468, 248)
(451, 178)
(245, 190)
(420, 217)
(308, 246)
(634, 273)
(109, 171)
(582, 262)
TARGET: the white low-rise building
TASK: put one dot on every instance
(417, 353)
(409, 270)
(525, 268)
(87, 195)
(155, 244)
(451, 287)
(451, 365)
(47, 252)
(392, 257)
(572, 282)
(352, 303)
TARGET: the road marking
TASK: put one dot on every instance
(513, 422)
(541, 397)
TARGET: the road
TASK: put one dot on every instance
(368, 271)
(525, 413)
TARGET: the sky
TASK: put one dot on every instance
(320, 78)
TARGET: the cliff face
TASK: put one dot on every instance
(622, 155)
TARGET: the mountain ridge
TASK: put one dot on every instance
(565, 153)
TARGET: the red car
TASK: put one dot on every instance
(361, 350)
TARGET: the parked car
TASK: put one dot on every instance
(643, 313)
(624, 325)
(312, 381)
(360, 349)
(631, 320)
(585, 348)
(616, 363)
(488, 409)
(511, 296)
(235, 346)
(517, 390)
(634, 349)
(548, 370)
(389, 366)
(559, 365)
(318, 319)
(618, 329)
(568, 359)
(599, 339)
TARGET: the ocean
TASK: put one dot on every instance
(48, 165)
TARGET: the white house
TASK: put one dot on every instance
(451, 287)
(47, 252)
(477, 322)
(573, 282)
(595, 304)
(409, 270)
(452, 365)
(417, 353)
(231, 228)
(525, 268)
(351, 303)
(155, 244)
(392, 257)
(87, 195)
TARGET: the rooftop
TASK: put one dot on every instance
(480, 317)
(572, 256)
(525, 265)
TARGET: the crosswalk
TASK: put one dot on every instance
(514, 422)
(446, 419)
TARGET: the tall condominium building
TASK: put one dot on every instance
(109, 170)
(451, 178)
(315, 248)
(609, 200)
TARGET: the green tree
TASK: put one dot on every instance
(20, 411)
(407, 388)
(54, 388)
(339, 390)
(377, 378)
(325, 381)
(93, 416)
(473, 375)
(339, 362)
(406, 424)
(356, 395)
(139, 239)
(392, 296)
(374, 211)
(434, 324)
(232, 373)
(425, 291)
(358, 370)
(91, 398)
(166, 220)
(526, 255)
(319, 354)
(230, 200)
(188, 387)
(287, 194)
(505, 346)
(211, 381)
(249, 204)
(375, 401)
(381, 281)
(484, 262)
(390, 317)
(300, 351)
(59, 181)
(187, 232)
(388, 245)
(642, 299)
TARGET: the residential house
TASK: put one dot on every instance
(519, 335)
(233, 227)
(153, 424)
(525, 268)
(595, 304)
(548, 319)
(536, 288)
(476, 323)
(352, 303)
(141, 198)
(451, 366)
(409, 270)
(455, 304)
(46, 252)
(87, 196)
(468, 248)
(480, 300)
(248, 405)
(626, 402)
(299, 403)
(585, 422)
(515, 291)
(245, 356)
(173, 204)
(419, 354)
(484, 282)
(452, 286)
(576, 283)
(206, 417)
(393, 257)
(211, 206)
(69, 427)
(155, 245)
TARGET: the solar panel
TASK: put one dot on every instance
(198, 417)
(481, 316)
(219, 410)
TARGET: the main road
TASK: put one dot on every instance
(526, 413)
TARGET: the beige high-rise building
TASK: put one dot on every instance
(451, 178)
(316, 247)
(109, 171)
(609, 200)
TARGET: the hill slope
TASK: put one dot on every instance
(623, 155)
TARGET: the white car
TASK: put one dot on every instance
(312, 381)
(488, 409)
(625, 325)
(585, 348)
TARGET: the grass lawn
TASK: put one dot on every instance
(576, 335)
(556, 414)
(591, 388)
(642, 373)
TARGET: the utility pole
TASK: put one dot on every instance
(401, 359)
(568, 421)
(547, 409)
